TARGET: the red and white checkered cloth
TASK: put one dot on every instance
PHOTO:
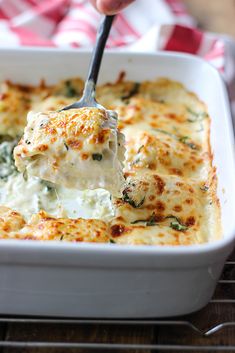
(147, 25)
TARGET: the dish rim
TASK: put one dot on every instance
(209, 247)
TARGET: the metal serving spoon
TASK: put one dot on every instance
(88, 97)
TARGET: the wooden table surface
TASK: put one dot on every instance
(216, 16)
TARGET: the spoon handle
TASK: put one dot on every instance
(88, 96)
(101, 39)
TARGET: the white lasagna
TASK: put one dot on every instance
(169, 194)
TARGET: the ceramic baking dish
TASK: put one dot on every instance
(102, 280)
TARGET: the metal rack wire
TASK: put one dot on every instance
(172, 337)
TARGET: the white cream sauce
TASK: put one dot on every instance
(29, 195)
(32, 195)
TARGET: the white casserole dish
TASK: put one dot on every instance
(106, 280)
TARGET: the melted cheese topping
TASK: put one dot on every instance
(10, 221)
(15, 102)
(44, 227)
(164, 201)
(76, 148)
(166, 153)
(169, 196)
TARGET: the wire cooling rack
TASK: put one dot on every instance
(210, 330)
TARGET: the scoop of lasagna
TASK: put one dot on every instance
(76, 148)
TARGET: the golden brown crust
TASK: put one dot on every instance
(45, 227)
(15, 102)
(10, 221)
